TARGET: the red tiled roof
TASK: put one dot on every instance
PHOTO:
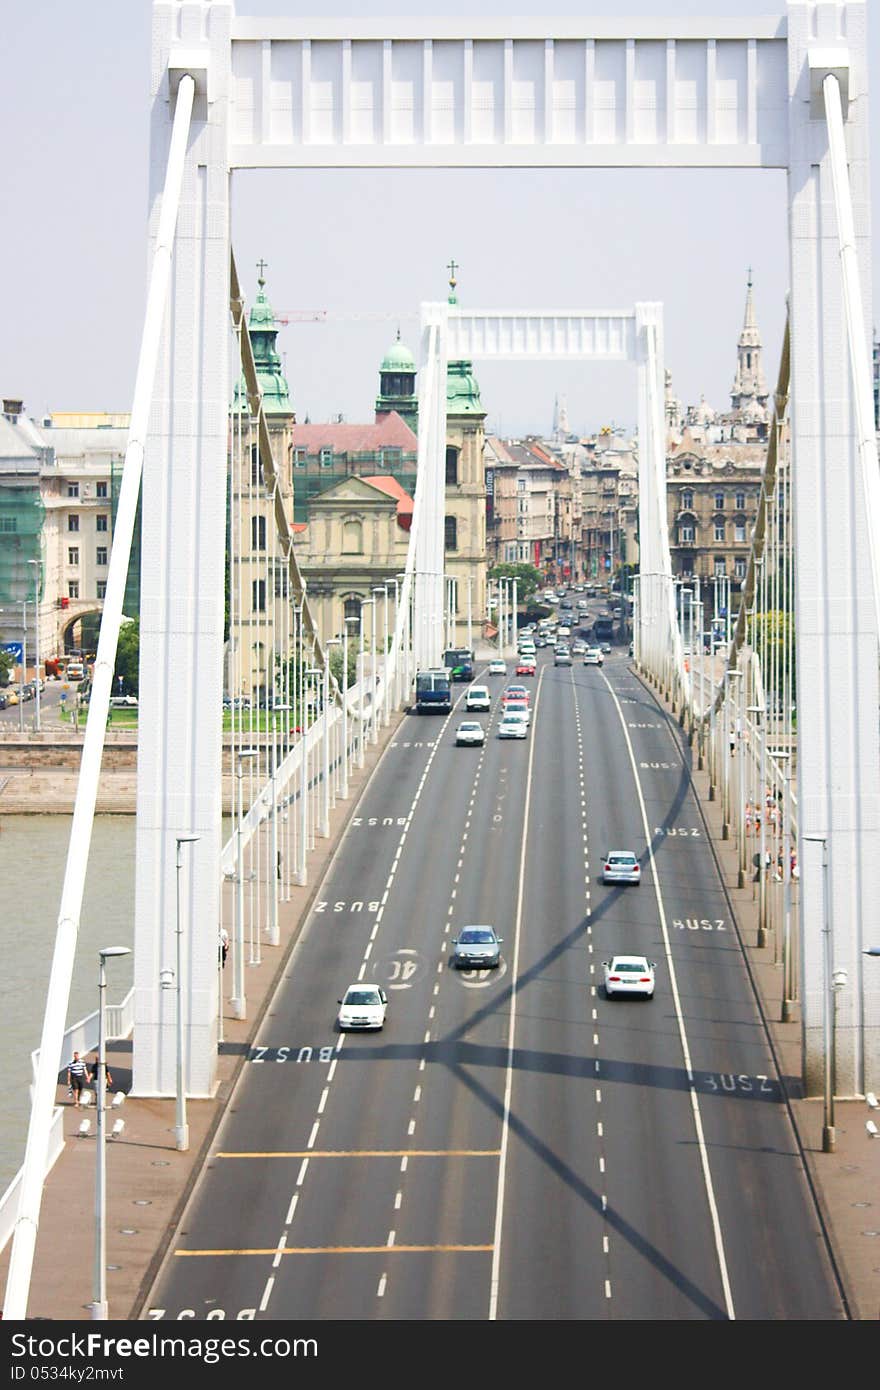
(385, 483)
(390, 432)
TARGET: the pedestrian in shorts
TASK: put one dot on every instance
(77, 1078)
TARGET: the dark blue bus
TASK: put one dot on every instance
(433, 692)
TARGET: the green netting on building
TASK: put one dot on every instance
(131, 605)
(21, 521)
(307, 486)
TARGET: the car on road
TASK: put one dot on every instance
(12, 696)
(578, 647)
(123, 701)
(511, 726)
(362, 1006)
(629, 975)
(621, 866)
(562, 657)
(478, 697)
(593, 656)
(520, 707)
(516, 692)
(606, 648)
(497, 668)
(476, 948)
(470, 733)
(525, 667)
(4, 700)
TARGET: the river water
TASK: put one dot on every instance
(33, 852)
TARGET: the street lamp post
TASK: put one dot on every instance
(37, 573)
(23, 680)
(274, 934)
(239, 1001)
(788, 993)
(376, 591)
(346, 761)
(761, 799)
(366, 722)
(834, 980)
(312, 673)
(386, 707)
(99, 1283)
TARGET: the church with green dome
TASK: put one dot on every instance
(397, 385)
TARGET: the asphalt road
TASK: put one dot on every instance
(512, 1145)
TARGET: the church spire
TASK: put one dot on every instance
(749, 392)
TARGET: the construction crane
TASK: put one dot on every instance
(301, 316)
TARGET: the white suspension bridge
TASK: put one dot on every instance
(230, 93)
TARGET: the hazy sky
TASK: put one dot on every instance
(74, 110)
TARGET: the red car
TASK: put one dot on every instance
(515, 692)
(525, 668)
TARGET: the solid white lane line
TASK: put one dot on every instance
(264, 1301)
(495, 1277)
(695, 1102)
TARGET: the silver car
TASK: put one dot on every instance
(621, 866)
(470, 733)
(513, 726)
(476, 948)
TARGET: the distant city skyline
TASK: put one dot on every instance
(370, 246)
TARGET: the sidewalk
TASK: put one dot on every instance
(148, 1181)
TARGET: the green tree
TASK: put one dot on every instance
(6, 665)
(128, 650)
(527, 577)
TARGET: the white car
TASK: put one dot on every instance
(470, 732)
(562, 657)
(593, 656)
(512, 726)
(621, 866)
(629, 975)
(563, 633)
(578, 648)
(478, 697)
(520, 708)
(362, 1006)
(497, 668)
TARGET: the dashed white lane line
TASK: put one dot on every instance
(607, 1288)
(397, 1201)
(411, 1128)
(292, 1208)
(431, 1011)
(417, 1095)
(605, 1245)
(314, 1134)
(264, 1301)
(332, 1070)
(422, 1065)
(380, 1292)
(391, 1238)
(280, 1252)
(368, 951)
(598, 1096)
(323, 1101)
(304, 1168)
(403, 1162)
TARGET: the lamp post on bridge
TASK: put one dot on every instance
(38, 564)
(239, 1001)
(780, 755)
(274, 934)
(329, 795)
(99, 1282)
(834, 981)
(367, 722)
(346, 761)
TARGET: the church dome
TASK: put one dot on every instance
(398, 358)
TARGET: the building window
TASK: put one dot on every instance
(352, 609)
(102, 589)
(740, 501)
(73, 489)
(739, 567)
(73, 555)
(520, 484)
(299, 458)
(256, 472)
(719, 530)
(8, 523)
(281, 580)
(390, 458)
(101, 521)
(687, 500)
(326, 458)
(101, 555)
(352, 537)
(720, 567)
(685, 535)
(72, 522)
(719, 501)
(100, 489)
(450, 533)
(739, 531)
(258, 596)
(451, 468)
(258, 533)
(73, 588)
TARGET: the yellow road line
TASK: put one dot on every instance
(342, 1250)
(366, 1153)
